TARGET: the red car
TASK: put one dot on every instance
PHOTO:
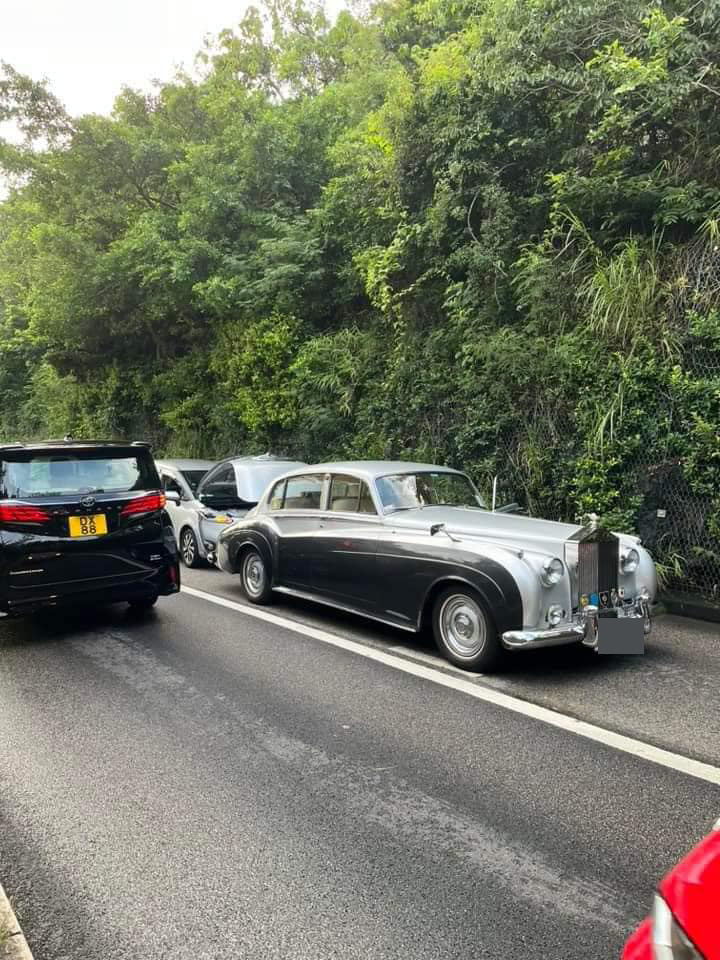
(685, 921)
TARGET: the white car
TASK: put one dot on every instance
(182, 477)
(224, 494)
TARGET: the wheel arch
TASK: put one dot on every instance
(496, 588)
(254, 540)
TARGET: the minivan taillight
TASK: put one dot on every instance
(153, 501)
(20, 514)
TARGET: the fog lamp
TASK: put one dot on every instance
(555, 614)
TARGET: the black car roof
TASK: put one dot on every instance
(70, 444)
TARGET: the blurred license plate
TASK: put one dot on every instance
(223, 519)
(621, 635)
(94, 526)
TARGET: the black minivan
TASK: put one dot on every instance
(83, 522)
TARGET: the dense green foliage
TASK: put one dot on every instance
(480, 232)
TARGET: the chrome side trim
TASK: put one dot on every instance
(302, 595)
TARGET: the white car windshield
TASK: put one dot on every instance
(405, 491)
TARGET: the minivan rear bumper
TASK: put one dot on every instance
(162, 579)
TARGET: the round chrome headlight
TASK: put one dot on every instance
(552, 571)
(630, 561)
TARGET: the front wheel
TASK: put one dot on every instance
(463, 630)
(189, 548)
(255, 578)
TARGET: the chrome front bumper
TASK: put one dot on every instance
(581, 629)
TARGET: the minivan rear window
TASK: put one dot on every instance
(25, 474)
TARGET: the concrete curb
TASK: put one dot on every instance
(16, 947)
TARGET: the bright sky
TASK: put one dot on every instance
(89, 49)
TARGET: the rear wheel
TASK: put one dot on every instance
(143, 604)
(255, 578)
(189, 548)
(463, 630)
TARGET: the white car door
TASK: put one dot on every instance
(184, 513)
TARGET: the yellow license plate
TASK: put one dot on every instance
(94, 526)
(222, 519)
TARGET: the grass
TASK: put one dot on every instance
(5, 933)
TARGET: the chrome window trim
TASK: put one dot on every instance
(292, 512)
(363, 517)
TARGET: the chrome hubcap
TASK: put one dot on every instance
(254, 574)
(463, 626)
(188, 548)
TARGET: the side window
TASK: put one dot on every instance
(350, 495)
(170, 483)
(221, 482)
(225, 475)
(303, 493)
(277, 496)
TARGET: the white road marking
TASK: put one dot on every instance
(436, 662)
(636, 748)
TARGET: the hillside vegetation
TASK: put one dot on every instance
(477, 233)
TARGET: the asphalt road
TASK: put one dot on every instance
(200, 784)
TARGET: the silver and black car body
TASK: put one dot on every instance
(83, 523)
(412, 544)
(232, 488)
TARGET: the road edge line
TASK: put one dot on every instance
(16, 948)
(562, 721)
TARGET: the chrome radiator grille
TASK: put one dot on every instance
(597, 571)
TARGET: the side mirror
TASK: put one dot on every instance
(441, 528)
(172, 496)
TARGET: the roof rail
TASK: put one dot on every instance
(71, 441)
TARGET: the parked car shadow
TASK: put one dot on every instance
(55, 625)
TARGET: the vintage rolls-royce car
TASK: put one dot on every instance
(413, 544)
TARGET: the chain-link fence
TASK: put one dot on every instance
(672, 521)
(676, 505)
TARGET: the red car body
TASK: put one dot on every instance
(692, 892)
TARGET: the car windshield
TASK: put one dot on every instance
(27, 474)
(193, 478)
(403, 491)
